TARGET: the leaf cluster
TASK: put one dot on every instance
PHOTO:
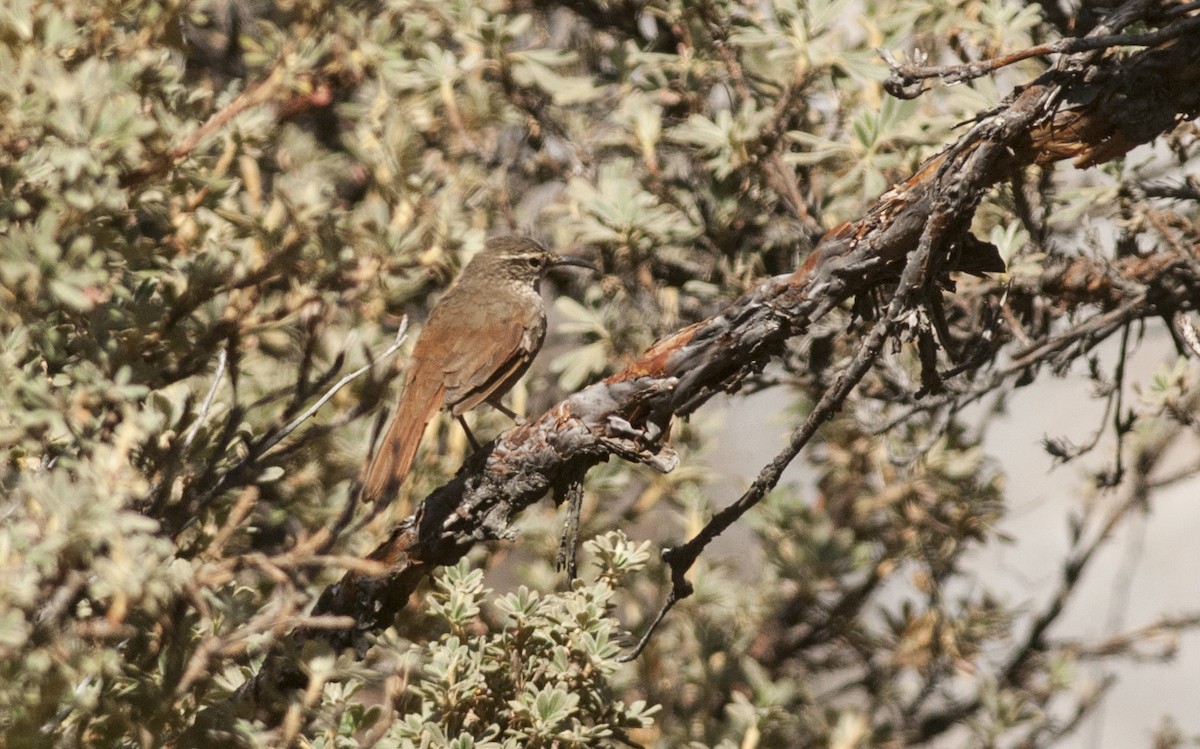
(210, 211)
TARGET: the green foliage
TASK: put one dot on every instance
(210, 211)
(542, 677)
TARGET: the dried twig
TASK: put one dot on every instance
(259, 449)
(628, 414)
(222, 358)
(905, 75)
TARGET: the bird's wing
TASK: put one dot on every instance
(492, 358)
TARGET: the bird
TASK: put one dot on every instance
(480, 338)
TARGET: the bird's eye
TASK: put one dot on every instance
(535, 262)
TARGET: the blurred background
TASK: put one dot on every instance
(213, 212)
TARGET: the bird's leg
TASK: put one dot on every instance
(496, 404)
(470, 437)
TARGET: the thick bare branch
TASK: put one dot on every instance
(628, 414)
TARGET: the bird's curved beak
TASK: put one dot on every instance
(577, 261)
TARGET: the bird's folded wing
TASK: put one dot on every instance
(498, 352)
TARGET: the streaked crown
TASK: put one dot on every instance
(518, 258)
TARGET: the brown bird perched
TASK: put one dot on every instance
(480, 338)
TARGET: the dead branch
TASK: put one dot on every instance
(1091, 111)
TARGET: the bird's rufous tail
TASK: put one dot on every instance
(394, 459)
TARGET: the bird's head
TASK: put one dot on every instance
(521, 259)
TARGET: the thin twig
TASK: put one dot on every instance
(904, 75)
(1081, 554)
(1089, 334)
(627, 414)
(266, 446)
(259, 450)
(912, 279)
(222, 358)
(258, 94)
